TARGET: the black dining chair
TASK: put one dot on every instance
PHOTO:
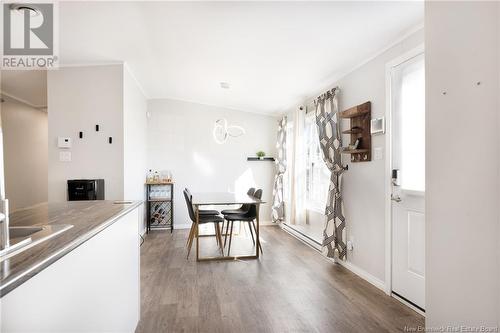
(202, 219)
(202, 211)
(250, 216)
(243, 209)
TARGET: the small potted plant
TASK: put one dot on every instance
(261, 154)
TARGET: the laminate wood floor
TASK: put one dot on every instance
(291, 288)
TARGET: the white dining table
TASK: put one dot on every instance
(224, 199)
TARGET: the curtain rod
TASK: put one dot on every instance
(337, 89)
(309, 103)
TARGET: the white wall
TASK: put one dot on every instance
(180, 139)
(135, 139)
(462, 161)
(25, 154)
(364, 183)
(78, 99)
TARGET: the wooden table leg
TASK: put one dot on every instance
(191, 232)
(197, 233)
(190, 240)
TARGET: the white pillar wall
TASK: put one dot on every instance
(462, 163)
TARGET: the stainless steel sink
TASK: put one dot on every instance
(22, 238)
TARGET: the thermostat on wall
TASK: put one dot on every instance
(377, 126)
(63, 142)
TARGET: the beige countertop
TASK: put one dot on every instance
(88, 219)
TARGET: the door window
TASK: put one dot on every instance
(409, 97)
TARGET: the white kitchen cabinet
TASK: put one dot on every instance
(93, 288)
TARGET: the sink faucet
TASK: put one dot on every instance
(4, 224)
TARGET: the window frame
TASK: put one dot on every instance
(316, 184)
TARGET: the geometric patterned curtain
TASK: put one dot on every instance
(278, 208)
(330, 139)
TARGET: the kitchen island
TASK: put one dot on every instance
(83, 279)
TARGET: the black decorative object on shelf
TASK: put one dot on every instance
(260, 159)
(160, 206)
(110, 139)
(80, 135)
(97, 128)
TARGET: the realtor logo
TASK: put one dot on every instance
(28, 36)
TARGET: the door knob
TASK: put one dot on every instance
(396, 198)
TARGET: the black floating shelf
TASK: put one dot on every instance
(258, 159)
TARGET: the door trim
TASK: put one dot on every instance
(388, 161)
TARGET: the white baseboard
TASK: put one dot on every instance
(300, 237)
(350, 266)
(362, 274)
(376, 282)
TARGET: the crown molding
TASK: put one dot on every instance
(23, 101)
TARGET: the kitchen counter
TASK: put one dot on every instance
(88, 219)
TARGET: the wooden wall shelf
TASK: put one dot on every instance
(359, 118)
(353, 131)
(260, 159)
(357, 111)
(355, 151)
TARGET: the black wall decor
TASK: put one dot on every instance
(80, 135)
(97, 128)
(110, 139)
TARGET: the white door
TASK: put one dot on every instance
(408, 179)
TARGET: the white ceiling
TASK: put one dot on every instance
(273, 54)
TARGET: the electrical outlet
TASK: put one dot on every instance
(350, 246)
(378, 153)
